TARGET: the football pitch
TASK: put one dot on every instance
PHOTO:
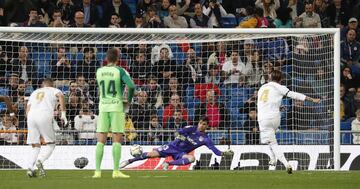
(81, 179)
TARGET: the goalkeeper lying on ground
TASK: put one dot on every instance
(187, 139)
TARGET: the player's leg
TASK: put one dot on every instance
(117, 128)
(180, 159)
(47, 132)
(102, 129)
(145, 155)
(33, 139)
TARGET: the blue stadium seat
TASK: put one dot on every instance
(285, 137)
(345, 125)
(229, 21)
(4, 91)
(132, 5)
(100, 56)
(313, 138)
(2, 106)
(238, 138)
(346, 138)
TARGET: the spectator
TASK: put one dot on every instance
(152, 19)
(85, 124)
(283, 19)
(308, 19)
(143, 6)
(185, 72)
(139, 22)
(338, 12)
(45, 8)
(90, 13)
(173, 20)
(154, 92)
(269, 7)
(320, 7)
(213, 76)
(249, 47)
(357, 98)
(12, 86)
(56, 20)
(214, 10)
(199, 20)
(141, 111)
(114, 21)
(87, 67)
(347, 106)
(350, 50)
(347, 79)
(233, 69)
(120, 8)
(25, 67)
(73, 107)
(154, 135)
(267, 68)
(83, 86)
(163, 10)
(67, 9)
(219, 55)
(140, 69)
(34, 19)
(172, 88)
(216, 112)
(294, 6)
(176, 121)
(253, 79)
(16, 11)
(73, 90)
(251, 126)
(164, 68)
(4, 66)
(79, 20)
(198, 65)
(9, 123)
(249, 103)
(250, 20)
(61, 70)
(353, 24)
(355, 127)
(186, 7)
(130, 131)
(262, 21)
(175, 103)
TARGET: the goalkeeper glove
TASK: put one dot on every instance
(227, 153)
(63, 117)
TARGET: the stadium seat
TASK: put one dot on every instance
(345, 125)
(100, 56)
(286, 138)
(238, 138)
(132, 5)
(4, 91)
(229, 21)
(346, 138)
(313, 138)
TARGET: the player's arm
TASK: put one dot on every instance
(298, 96)
(179, 134)
(212, 147)
(125, 77)
(61, 98)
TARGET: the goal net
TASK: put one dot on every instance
(180, 76)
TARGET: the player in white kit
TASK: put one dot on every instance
(40, 115)
(268, 104)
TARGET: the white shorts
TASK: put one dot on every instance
(268, 128)
(40, 124)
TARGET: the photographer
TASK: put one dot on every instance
(214, 10)
(35, 20)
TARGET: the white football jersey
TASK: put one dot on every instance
(269, 99)
(43, 99)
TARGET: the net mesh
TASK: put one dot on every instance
(179, 78)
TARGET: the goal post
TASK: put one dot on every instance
(298, 52)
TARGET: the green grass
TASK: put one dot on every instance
(184, 180)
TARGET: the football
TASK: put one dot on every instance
(136, 150)
(81, 162)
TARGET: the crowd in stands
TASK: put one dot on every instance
(178, 83)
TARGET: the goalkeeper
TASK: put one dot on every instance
(187, 139)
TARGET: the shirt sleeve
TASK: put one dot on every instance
(125, 77)
(212, 147)
(291, 94)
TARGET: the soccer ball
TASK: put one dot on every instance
(81, 162)
(136, 150)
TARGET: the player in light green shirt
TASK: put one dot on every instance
(111, 81)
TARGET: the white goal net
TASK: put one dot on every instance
(180, 75)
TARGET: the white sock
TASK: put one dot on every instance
(33, 157)
(48, 149)
(278, 153)
(272, 154)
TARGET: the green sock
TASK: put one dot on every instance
(99, 155)
(116, 152)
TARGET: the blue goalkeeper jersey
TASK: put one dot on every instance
(194, 139)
